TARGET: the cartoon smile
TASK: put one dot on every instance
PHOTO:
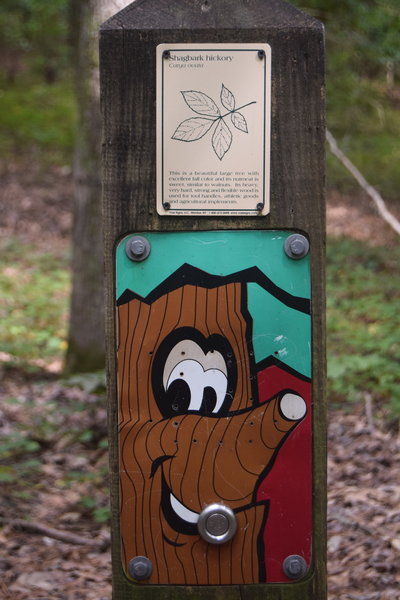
(178, 516)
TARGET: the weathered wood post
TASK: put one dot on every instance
(213, 202)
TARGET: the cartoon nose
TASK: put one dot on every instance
(258, 434)
(222, 458)
(264, 429)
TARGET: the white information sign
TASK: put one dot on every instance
(213, 129)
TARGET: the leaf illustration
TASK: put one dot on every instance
(221, 139)
(201, 103)
(192, 129)
(239, 121)
(227, 98)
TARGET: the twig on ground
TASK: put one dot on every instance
(368, 411)
(363, 596)
(371, 191)
(63, 536)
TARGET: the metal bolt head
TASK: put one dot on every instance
(294, 566)
(137, 248)
(217, 524)
(140, 568)
(296, 246)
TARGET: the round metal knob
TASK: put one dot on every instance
(217, 524)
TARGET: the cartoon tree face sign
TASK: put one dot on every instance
(201, 422)
(195, 128)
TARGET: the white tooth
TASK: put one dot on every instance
(183, 512)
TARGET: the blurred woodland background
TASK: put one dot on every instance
(53, 438)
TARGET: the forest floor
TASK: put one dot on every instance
(58, 484)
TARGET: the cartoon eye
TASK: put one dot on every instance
(199, 384)
(194, 376)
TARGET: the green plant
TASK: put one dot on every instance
(18, 458)
(363, 293)
(35, 291)
(101, 514)
(34, 32)
(37, 118)
(16, 444)
(363, 64)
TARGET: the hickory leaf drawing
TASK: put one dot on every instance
(221, 139)
(201, 103)
(227, 98)
(192, 129)
(195, 128)
(239, 121)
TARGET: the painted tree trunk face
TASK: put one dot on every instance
(193, 432)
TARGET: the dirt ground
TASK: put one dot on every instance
(363, 463)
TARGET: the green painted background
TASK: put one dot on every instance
(277, 329)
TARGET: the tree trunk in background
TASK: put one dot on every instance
(86, 330)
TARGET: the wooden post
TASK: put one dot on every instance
(140, 162)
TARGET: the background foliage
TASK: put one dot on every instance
(37, 109)
(37, 122)
(363, 97)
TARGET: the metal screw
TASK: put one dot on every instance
(294, 566)
(260, 206)
(296, 246)
(261, 54)
(140, 568)
(166, 54)
(166, 205)
(217, 524)
(137, 248)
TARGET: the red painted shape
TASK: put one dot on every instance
(288, 485)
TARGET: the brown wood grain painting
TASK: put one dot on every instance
(192, 432)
